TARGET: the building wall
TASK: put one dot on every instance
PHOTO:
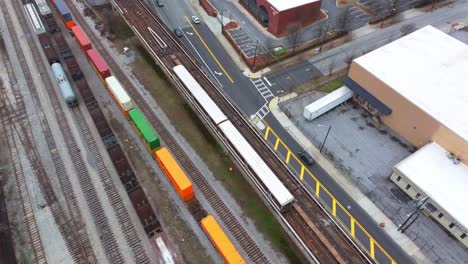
(440, 215)
(407, 119)
(280, 22)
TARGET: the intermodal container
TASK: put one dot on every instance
(176, 175)
(99, 65)
(220, 240)
(81, 38)
(145, 131)
(120, 96)
(63, 10)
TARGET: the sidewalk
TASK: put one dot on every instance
(377, 215)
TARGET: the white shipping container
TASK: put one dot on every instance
(328, 102)
(119, 93)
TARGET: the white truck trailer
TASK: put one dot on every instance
(327, 103)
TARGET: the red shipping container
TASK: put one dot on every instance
(70, 24)
(81, 38)
(99, 65)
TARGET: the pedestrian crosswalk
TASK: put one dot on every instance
(265, 92)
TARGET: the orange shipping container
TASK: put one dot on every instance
(176, 175)
(221, 242)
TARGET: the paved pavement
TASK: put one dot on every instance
(291, 76)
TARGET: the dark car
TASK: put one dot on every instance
(178, 32)
(160, 3)
(306, 158)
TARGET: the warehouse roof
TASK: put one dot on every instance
(439, 178)
(282, 5)
(428, 67)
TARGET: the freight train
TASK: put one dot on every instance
(149, 137)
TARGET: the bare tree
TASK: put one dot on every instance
(407, 28)
(350, 57)
(268, 46)
(343, 20)
(331, 67)
(322, 32)
(295, 36)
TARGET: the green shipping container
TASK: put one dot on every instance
(146, 131)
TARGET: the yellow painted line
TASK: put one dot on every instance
(277, 143)
(334, 207)
(288, 156)
(209, 50)
(267, 132)
(335, 202)
(372, 248)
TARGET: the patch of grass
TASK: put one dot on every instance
(188, 124)
(332, 86)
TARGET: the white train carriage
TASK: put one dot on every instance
(64, 85)
(34, 18)
(277, 189)
(119, 93)
(44, 9)
(200, 95)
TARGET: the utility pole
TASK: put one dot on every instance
(255, 55)
(222, 22)
(411, 218)
(325, 139)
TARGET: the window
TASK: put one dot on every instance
(398, 179)
(440, 215)
(408, 186)
(463, 236)
(451, 225)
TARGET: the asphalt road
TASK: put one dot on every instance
(238, 87)
(292, 76)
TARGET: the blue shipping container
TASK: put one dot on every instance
(63, 10)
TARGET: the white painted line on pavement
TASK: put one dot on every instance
(193, 47)
(267, 81)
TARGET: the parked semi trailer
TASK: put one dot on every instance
(327, 103)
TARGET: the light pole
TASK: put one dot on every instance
(326, 136)
(255, 55)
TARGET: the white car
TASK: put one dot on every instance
(195, 20)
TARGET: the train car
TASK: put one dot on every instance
(98, 63)
(51, 24)
(49, 51)
(64, 85)
(162, 248)
(122, 167)
(34, 18)
(176, 175)
(44, 9)
(144, 130)
(63, 48)
(220, 240)
(64, 13)
(268, 179)
(120, 96)
(74, 68)
(102, 126)
(200, 95)
(144, 211)
(86, 93)
(81, 38)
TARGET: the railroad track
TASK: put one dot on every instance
(236, 229)
(342, 245)
(73, 236)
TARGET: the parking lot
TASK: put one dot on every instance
(246, 44)
(365, 152)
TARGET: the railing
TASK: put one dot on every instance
(341, 214)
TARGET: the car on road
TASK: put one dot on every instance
(178, 32)
(196, 20)
(160, 3)
(306, 158)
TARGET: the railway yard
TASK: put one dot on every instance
(83, 140)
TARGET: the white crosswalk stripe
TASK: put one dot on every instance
(263, 89)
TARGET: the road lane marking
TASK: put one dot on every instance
(209, 50)
(208, 67)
